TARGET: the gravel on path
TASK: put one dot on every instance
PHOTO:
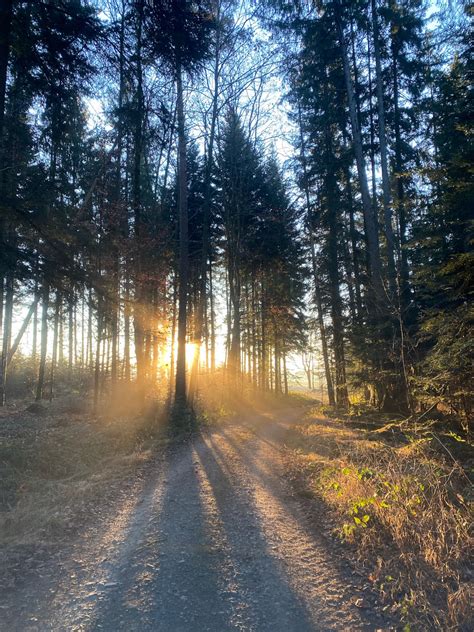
(214, 540)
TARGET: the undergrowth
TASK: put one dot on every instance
(401, 501)
(56, 459)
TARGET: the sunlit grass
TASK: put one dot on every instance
(403, 507)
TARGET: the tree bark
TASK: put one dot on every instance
(387, 197)
(180, 386)
(55, 345)
(319, 305)
(138, 313)
(97, 359)
(342, 398)
(44, 342)
(400, 193)
(369, 221)
(205, 246)
(22, 330)
(6, 335)
(6, 13)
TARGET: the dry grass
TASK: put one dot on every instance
(402, 503)
(57, 460)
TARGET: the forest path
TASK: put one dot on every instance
(214, 540)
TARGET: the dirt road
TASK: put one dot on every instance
(214, 540)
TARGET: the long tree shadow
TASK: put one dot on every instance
(261, 579)
(280, 494)
(204, 563)
(69, 591)
(172, 581)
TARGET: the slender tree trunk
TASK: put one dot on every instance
(370, 227)
(180, 386)
(61, 336)
(254, 333)
(285, 373)
(372, 139)
(342, 398)
(90, 355)
(74, 332)
(139, 315)
(118, 199)
(70, 335)
(212, 320)
(319, 305)
(6, 337)
(264, 365)
(114, 329)
(322, 333)
(126, 330)
(277, 364)
(400, 193)
(6, 12)
(22, 330)
(354, 253)
(173, 333)
(205, 246)
(44, 342)
(34, 344)
(97, 359)
(387, 197)
(54, 356)
(235, 342)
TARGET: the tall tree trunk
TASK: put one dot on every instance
(264, 345)
(44, 342)
(6, 337)
(34, 344)
(342, 398)
(180, 386)
(173, 334)
(6, 13)
(205, 246)
(83, 328)
(319, 305)
(387, 197)
(97, 358)
(70, 334)
(115, 306)
(61, 337)
(400, 193)
(353, 243)
(23, 328)
(139, 308)
(126, 331)
(369, 222)
(90, 355)
(372, 137)
(322, 329)
(212, 320)
(235, 340)
(54, 356)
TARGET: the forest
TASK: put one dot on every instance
(206, 203)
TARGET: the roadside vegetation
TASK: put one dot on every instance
(397, 494)
(62, 465)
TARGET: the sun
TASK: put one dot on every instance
(190, 351)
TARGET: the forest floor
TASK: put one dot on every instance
(206, 535)
(227, 529)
